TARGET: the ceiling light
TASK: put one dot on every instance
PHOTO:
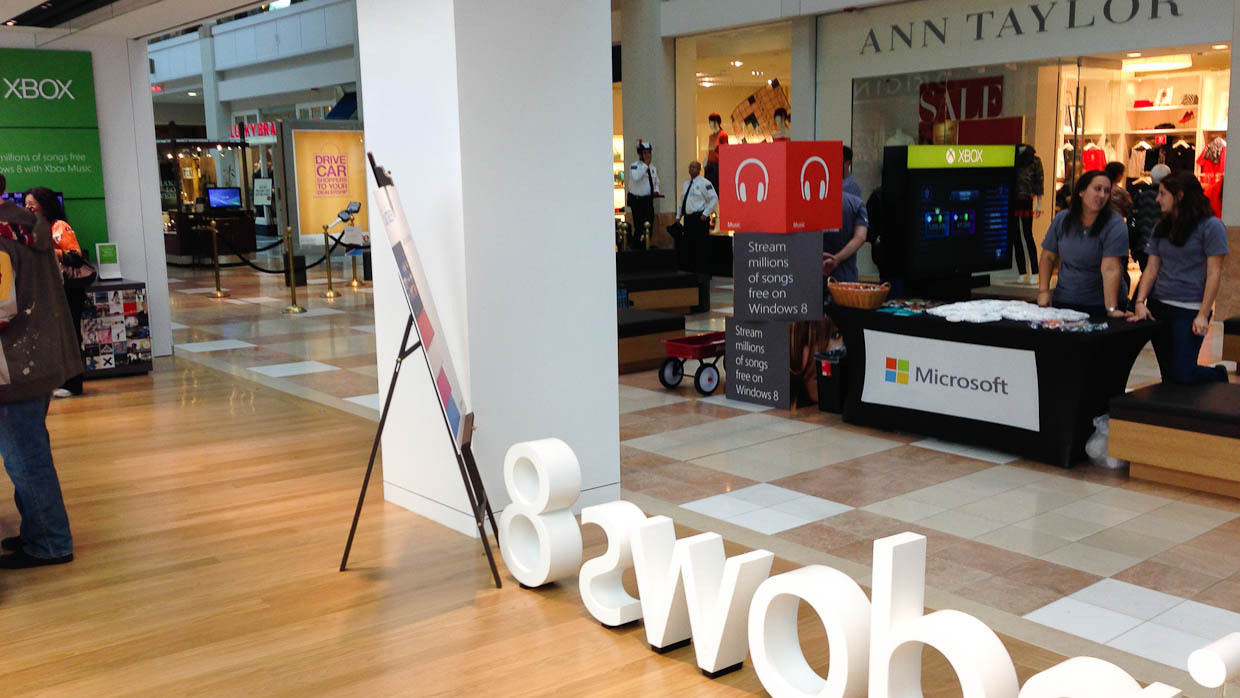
(1175, 62)
(192, 94)
(706, 83)
(1219, 47)
(169, 156)
(1134, 54)
(737, 64)
(10, 23)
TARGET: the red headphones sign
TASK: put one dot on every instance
(781, 187)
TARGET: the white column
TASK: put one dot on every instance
(833, 120)
(804, 78)
(647, 72)
(218, 118)
(1231, 194)
(513, 227)
(687, 127)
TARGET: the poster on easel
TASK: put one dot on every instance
(421, 308)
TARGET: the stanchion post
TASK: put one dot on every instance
(330, 293)
(215, 261)
(646, 236)
(292, 308)
(356, 282)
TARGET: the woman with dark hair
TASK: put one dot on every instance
(1182, 277)
(76, 272)
(1089, 244)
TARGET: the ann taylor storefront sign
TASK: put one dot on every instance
(943, 34)
(1018, 20)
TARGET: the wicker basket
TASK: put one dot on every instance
(858, 295)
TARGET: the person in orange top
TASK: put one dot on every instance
(77, 274)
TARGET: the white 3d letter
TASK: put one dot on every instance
(688, 588)
(898, 630)
(538, 534)
(776, 648)
(1081, 677)
(602, 590)
(1216, 663)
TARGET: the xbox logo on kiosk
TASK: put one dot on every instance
(951, 156)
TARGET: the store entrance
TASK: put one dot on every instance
(1068, 115)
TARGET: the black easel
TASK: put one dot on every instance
(478, 501)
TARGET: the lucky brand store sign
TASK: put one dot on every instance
(731, 608)
(991, 384)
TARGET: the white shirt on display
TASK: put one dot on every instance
(701, 197)
(639, 181)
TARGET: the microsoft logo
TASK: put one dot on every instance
(897, 371)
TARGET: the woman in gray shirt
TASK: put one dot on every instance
(1089, 244)
(1181, 279)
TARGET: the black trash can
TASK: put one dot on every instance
(832, 383)
(299, 267)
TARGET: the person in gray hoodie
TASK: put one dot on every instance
(38, 351)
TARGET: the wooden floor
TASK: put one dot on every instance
(209, 515)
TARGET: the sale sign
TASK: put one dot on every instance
(780, 187)
(330, 174)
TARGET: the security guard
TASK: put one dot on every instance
(698, 200)
(643, 187)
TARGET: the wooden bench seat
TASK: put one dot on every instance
(1182, 435)
(641, 334)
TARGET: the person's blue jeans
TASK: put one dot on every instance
(1177, 347)
(27, 453)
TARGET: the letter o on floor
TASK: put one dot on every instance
(775, 647)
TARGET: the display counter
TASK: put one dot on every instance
(1002, 385)
(116, 330)
(184, 239)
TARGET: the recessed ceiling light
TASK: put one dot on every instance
(10, 23)
(1134, 54)
(1219, 47)
(737, 64)
(1176, 62)
(192, 94)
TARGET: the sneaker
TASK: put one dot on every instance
(11, 544)
(62, 392)
(20, 560)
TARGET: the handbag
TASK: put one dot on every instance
(676, 230)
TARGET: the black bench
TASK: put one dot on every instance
(640, 335)
(654, 282)
(1183, 435)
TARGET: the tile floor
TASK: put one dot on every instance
(1148, 570)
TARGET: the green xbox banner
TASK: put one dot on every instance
(49, 133)
(938, 157)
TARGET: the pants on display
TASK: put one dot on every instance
(643, 213)
(76, 298)
(1177, 347)
(1022, 211)
(711, 173)
(27, 452)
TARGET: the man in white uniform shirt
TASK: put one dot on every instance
(643, 185)
(698, 200)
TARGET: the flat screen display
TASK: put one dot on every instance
(224, 197)
(961, 217)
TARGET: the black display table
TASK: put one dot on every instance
(1077, 373)
(116, 330)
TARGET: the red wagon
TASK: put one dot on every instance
(698, 347)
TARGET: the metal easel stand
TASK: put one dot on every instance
(478, 501)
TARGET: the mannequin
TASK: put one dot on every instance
(900, 138)
(782, 132)
(717, 138)
(1026, 205)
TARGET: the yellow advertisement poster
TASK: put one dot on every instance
(331, 172)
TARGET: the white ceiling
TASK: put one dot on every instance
(139, 19)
